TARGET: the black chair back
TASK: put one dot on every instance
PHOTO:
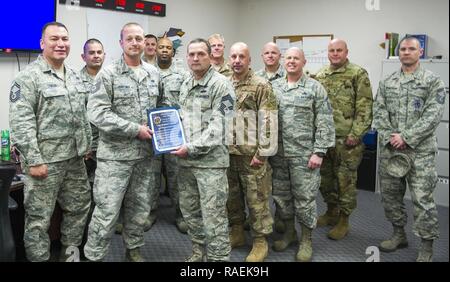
(7, 247)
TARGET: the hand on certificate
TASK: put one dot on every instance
(181, 152)
(145, 133)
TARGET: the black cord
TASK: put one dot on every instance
(29, 57)
(18, 62)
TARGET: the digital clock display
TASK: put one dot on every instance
(132, 6)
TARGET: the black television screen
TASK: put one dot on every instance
(22, 23)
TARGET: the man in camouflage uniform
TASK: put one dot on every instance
(149, 55)
(118, 107)
(51, 130)
(218, 61)
(206, 101)
(249, 175)
(172, 78)
(273, 70)
(94, 56)
(407, 110)
(271, 56)
(307, 131)
(350, 95)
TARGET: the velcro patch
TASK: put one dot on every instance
(96, 86)
(440, 97)
(226, 105)
(14, 95)
(417, 104)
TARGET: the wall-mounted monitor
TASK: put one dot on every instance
(22, 23)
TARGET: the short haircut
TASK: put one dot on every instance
(200, 40)
(52, 24)
(90, 41)
(127, 25)
(217, 36)
(151, 36)
(407, 38)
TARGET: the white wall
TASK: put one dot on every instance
(257, 21)
(197, 18)
(347, 19)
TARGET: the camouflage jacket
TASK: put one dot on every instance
(153, 63)
(412, 106)
(88, 81)
(47, 115)
(305, 118)
(256, 108)
(225, 69)
(118, 106)
(350, 95)
(205, 107)
(172, 80)
(281, 72)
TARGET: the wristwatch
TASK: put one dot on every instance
(320, 154)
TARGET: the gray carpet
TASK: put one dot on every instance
(368, 228)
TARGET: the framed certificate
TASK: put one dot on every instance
(167, 129)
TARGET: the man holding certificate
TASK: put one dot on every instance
(118, 106)
(206, 101)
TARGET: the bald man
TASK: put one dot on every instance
(271, 56)
(350, 95)
(249, 174)
(273, 70)
(307, 131)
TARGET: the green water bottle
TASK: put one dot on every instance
(6, 148)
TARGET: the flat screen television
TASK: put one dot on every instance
(22, 23)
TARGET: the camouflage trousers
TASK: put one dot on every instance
(66, 183)
(294, 189)
(170, 171)
(119, 184)
(339, 174)
(421, 181)
(203, 198)
(254, 184)
(165, 169)
(155, 186)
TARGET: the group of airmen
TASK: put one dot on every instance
(84, 142)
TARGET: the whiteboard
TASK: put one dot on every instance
(316, 52)
(314, 46)
(106, 25)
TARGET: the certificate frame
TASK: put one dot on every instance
(171, 127)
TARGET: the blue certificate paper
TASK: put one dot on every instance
(167, 129)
